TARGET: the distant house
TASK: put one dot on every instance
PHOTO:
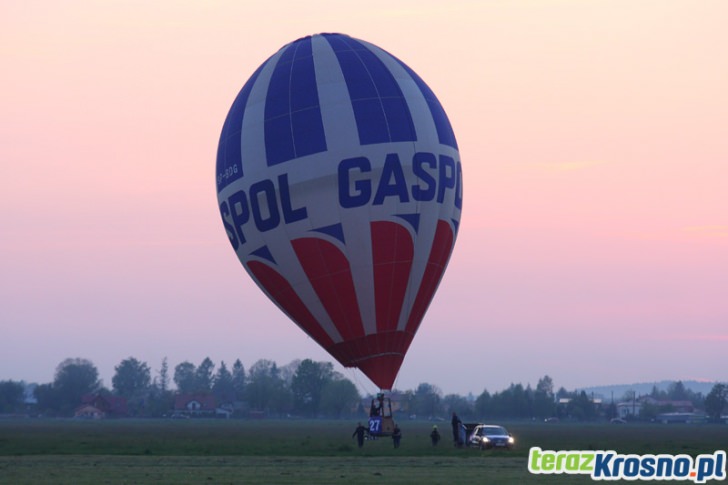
(88, 411)
(98, 406)
(629, 408)
(195, 404)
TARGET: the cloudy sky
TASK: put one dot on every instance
(594, 238)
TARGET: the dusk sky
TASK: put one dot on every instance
(593, 245)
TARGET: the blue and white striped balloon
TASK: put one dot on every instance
(340, 188)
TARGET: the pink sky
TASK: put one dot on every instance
(594, 238)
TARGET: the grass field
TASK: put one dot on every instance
(278, 451)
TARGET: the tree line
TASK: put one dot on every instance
(304, 388)
(307, 388)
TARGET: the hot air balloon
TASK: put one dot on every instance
(340, 188)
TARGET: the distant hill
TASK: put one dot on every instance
(642, 388)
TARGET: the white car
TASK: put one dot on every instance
(488, 436)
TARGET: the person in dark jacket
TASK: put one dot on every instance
(359, 433)
(396, 436)
(456, 424)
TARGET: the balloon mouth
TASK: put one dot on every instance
(382, 369)
(378, 356)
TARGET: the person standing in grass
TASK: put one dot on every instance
(396, 436)
(435, 435)
(359, 433)
(456, 424)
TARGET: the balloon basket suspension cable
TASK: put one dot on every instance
(359, 383)
(394, 384)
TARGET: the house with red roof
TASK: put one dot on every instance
(98, 406)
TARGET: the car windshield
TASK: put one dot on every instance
(493, 431)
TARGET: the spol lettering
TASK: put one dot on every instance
(268, 202)
(263, 205)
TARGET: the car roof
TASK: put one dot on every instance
(492, 426)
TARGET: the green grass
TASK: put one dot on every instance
(277, 451)
(266, 470)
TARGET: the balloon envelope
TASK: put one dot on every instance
(340, 188)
